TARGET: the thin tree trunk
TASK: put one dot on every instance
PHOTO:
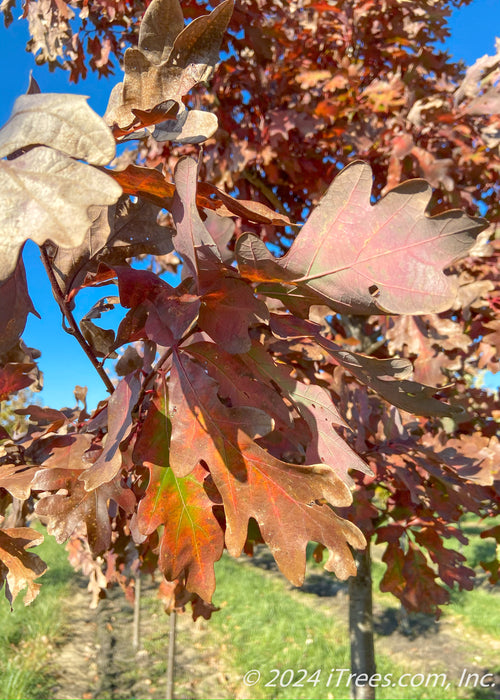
(171, 656)
(136, 639)
(361, 627)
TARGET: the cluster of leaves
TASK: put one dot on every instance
(305, 86)
(230, 424)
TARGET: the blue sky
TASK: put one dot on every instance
(63, 362)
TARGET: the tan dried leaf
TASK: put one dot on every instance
(169, 60)
(46, 195)
(63, 122)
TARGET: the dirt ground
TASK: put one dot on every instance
(98, 651)
(97, 647)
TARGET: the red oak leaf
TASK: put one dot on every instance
(410, 579)
(289, 502)
(362, 258)
(120, 407)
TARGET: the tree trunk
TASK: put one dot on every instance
(171, 656)
(136, 636)
(361, 628)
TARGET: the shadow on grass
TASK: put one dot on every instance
(491, 693)
(323, 586)
(318, 584)
(386, 622)
(411, 625)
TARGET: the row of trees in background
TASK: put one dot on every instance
(250, 391)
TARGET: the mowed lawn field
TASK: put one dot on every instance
(296, 639)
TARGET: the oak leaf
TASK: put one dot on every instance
(425, 338)
(480, 85)
(189, 126)
(66, 510)
(411, 579)
(152, 185)
(40, 201)
(222, 229)
(192, 539)
(243, 381)
(450, 563)
(192, 240)
(227, 312)
(60, 121)
(225, 205)
(122, 231)
(128, 362)
(16, 479)
(19, 568)
(15, 376)
(289, 502)
(120, 422)
(388, 377)
(50, 418)
(16, 305)
(157, 310)
(315, 405)
(169, 60)
(366, 259)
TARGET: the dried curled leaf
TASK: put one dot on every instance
(40, 201)
(39, 198)
(169, 60)
(152, 185)
(190, 126)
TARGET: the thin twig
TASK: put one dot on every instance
(189, 332)
(171, 656)
(151, 376)
(374, 346)
(256, 181)
(136, 635)
(70, 319)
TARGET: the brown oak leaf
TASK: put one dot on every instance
(19, 568)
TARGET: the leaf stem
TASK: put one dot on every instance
(70, 319)
(154, 370)
(189, 332)
(256, 181)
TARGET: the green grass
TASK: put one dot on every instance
(267, 629)
(478, 609)
(262, 627)
(27, 634)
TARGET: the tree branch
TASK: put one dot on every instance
(73, 329)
